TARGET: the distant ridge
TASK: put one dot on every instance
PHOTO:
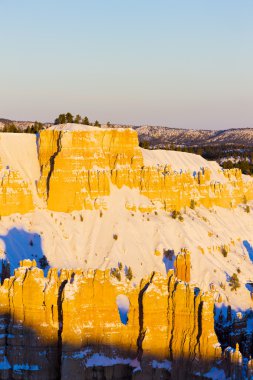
(159, 137)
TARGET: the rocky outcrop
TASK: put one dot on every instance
(76, 166)
(15, 193)
(78, 169)
(183, 265)
(54, 326)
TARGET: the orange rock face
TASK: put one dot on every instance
(78, 169)
(183, 266)
(68, 318)
(15, 194)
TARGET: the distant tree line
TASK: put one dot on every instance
(12, 128)
(228, 156)
(64, 118)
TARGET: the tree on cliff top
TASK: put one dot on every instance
(69, 118)
(97, 124)
(86, 121)
(61, 119)
(77, 119)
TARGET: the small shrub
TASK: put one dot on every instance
(116, 273)
(115, 237)
(120, 266)
(224, 251)
(234, 282)
(238, 270)
(223, 286)
(169, 254)
(100, 213)
(192, 204)
(174, 214)
(129, 273)
(43, 262)
(247, 209)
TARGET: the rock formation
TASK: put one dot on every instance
(51, 327)
(80, 167)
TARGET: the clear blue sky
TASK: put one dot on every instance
(181, 63)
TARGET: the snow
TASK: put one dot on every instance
(215, 374)
(123, 307)
(104, 361)
(5, 365)
(25, 367)
(69, 241)
(166, 364)
(70, 127)
(18, 151)
(181, 161)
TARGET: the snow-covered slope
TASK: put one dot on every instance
(180, 161)
(103, 238)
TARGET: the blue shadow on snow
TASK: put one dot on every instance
(21, 245)
(249, 249)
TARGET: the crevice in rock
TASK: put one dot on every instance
(142, 331)
(60, 326)
(52, 162)
(200, 308)
(172, 331)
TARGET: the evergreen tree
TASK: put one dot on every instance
(97, 124)
(77, 119)
(69, 118)
(61, 119)
(86, 121)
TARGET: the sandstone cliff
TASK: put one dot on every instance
(54, 326)
(79, 168)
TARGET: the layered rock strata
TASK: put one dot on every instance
(78, 169)
(54, 326)
(15, 193)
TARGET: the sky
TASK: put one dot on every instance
(177, 63)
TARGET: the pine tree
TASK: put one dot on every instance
(77, 119)
(97, 124)
(61, 119)
(69, 118)
(86, 121)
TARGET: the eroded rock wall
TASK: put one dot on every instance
(54, 326)
(79, 168)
